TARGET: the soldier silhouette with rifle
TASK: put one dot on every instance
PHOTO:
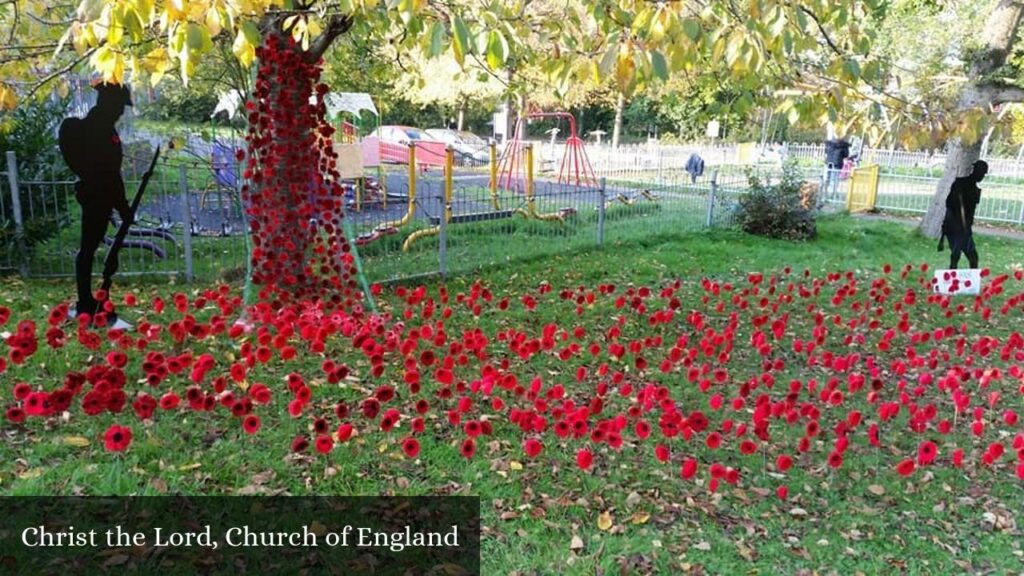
(92, 149)
(957, 226)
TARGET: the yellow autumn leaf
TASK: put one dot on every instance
(187, 467)
(8, 99)
(213, 23)
(625, 67)
(515, 465)
(313, 28)
(317, 528)
(243, 50)
(79, 441)
(31, 473)
(640, 518)
(604, 521)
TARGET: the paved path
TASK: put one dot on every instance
(982, 229)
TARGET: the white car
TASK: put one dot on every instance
(400, 134)
(469, 148)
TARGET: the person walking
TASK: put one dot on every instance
(836, 152)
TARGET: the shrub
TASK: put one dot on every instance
(784, 209)
(175, 102)
(30, 131)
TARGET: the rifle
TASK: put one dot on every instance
(111, 263)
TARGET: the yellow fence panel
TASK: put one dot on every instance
(746, 152)
(863, 189)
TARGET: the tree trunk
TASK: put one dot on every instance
(293, 195)
(462, 115)
(959, 161)
(620, 104)
(997, 40)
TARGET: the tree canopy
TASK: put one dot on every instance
(817, 61)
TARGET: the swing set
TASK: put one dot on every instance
(575, 168)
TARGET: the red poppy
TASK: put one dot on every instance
(144, 406)
(472, 428)
(835, 459)
(783, 463)
(418, 425)
(782, 492)
(468, 448)
(642, 429)
(532, 448)
(169, 401)
(713, 440)
(584, 459)
(344, 432)
(324, 444)
(251, 424)
(15, 415)
(22, 390)
(300, 444)
(926, 453)
(748, 447)
(117, 438)
(688, 469)
(411, 447)
(319, 426)
(662, 453)
(906, 467)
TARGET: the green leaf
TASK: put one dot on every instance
(852, 67)
(643, 19)
(460, 44)
(609, 59)
(692, 28)
(251, 32)
(659, 65)
(436, 39)
(495, 50)
(801, 19)
(198, 38)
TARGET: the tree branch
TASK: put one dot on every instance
(336, 26)
(821, 28)
(1004, 94)
(60, 71)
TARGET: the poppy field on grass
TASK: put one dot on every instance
(724, 383)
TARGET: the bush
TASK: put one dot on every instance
(30, 131)
(781, 210)
(175, 102)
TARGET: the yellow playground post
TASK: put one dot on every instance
(449, 164)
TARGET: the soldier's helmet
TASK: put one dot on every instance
(112, 94)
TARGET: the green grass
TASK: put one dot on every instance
(533, 509)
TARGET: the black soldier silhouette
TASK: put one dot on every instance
(961, 203)
(92, 149)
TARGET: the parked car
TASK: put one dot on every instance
(400, 134)
(469, 148)
(395, 140)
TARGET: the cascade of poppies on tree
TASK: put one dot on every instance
(293, 197)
